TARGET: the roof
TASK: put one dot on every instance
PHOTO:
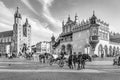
(6, 33)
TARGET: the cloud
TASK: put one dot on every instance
(6, 17)
(39, 33)
(27, 3)
(46, 4)
(50, 20)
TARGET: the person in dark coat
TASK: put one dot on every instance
(74, 59)
(119, 61)
(83, 61)
(79, 58)
(70, 61)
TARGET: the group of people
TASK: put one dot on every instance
(116, 60)
(76, 61)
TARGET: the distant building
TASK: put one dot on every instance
(43, 47)
(13, 41)
(90, 37)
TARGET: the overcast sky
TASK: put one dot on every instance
(45, 16)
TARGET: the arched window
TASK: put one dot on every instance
(69, 48)
(63, 48)
(110, 51)
(106, 50)
(114, 51)
(117, 50)
(100, 49)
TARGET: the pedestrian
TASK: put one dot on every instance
(74, 59)
(83, 61)
(70, 61)
(119, 60)
(102, 54)
(79, 60)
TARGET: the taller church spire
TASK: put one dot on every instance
(17, 14)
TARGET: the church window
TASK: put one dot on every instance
(3, 40)
(10, 39)
(25, 31)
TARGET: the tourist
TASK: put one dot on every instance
(79, 60)
(83, 61)
(119, 60)
(70, 61)
(74, 59)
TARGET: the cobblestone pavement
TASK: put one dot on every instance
(29, 70)
(104, 66)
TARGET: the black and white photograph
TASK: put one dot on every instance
(59, 39)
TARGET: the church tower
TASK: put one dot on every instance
(27, 34)
(17, 31)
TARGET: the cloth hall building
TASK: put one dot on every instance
(90, 37)
(13, 41)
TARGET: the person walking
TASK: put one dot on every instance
(74, 59)
(83, 58)
(119, 60)
(70, 61)
(79, 58)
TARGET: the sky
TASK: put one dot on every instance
(46, 16)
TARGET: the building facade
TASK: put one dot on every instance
(90, 37)
(14, 40)
(43, 47)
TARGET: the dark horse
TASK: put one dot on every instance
(81, 59)
(42, 58)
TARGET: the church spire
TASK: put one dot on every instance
(17, 14)
(26, 20)
(76, 17)
(17, 9)
(69, 17)
(63, 23)
(93, 13)
(53, 38)
(93, 18)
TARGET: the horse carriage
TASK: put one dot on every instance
(58, 59)
(61, 61)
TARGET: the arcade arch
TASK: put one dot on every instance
(100, 49)
(69, 48)
(106, 50)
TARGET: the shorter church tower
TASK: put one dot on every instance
(27, 34)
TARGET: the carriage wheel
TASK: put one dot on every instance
(61, 63)
(51, 63)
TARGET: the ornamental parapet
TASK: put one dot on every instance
(102, 22)
(81, 27)
(66, 34)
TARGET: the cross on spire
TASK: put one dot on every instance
(93, 13)
(17, 8)
(68, 17)
(76, 17)
(26, 20)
